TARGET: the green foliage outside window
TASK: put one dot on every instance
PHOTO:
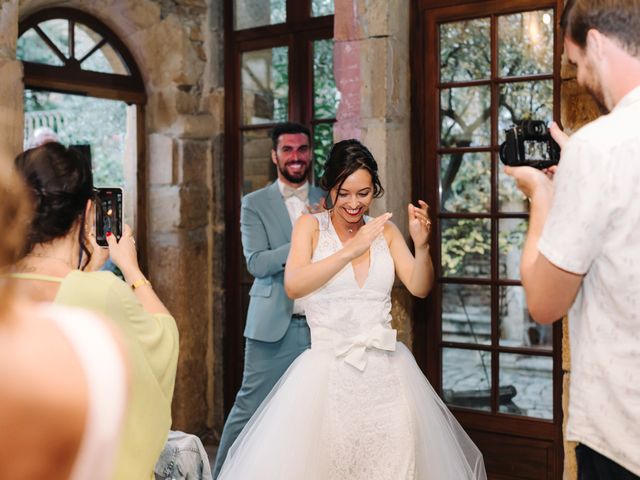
(85, 120)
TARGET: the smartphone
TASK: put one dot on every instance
(108, 213)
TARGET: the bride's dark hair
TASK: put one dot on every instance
(60, 182)
(345, 158)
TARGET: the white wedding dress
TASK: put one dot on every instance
(355, 406)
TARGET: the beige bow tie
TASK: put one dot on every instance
(288, 192)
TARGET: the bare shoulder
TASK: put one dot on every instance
(45, 377)
(307, 222)
(391, 232)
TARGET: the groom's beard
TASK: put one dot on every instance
(294, 177)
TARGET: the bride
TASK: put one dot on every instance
(355, 406)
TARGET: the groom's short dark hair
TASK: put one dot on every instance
(287, 128)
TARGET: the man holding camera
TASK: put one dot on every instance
(582, 253)
(276, 331)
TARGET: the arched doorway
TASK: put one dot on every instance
(82, 83)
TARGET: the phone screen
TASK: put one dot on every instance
(108, 213)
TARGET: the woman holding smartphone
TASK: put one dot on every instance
(63, 374)
(55, 266)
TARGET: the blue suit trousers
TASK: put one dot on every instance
(264, 364)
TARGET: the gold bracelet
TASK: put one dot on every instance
(140, 283)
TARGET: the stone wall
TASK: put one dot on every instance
(372, 75)
(11, 110)
(177, 45)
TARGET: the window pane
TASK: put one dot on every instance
(58, 32)
(511, 237)
(265, 86)
(466, 378)
(510, 198)
(325, 93)
(77, 119)
(257, 168)
(465, 117)
(465, 50)
(525, 42)
(257, 13)
(105, 60)
(320, 8)
(466, 247)
(85, 40)
(466, 313)
(524, 101)
(465, 182)
(517, 328)
(31, 48)
(526, 385)
(322, 142)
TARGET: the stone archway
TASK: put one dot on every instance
(177, 48)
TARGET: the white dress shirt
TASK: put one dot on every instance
(295, 208)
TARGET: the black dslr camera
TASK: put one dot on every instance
(529, 143)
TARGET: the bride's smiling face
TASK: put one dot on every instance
(354, 197)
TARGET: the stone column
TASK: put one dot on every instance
(185, 224)
(11, 89)
(372, 74)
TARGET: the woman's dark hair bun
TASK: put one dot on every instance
(60, 182)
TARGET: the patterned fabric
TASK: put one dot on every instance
(593, 229)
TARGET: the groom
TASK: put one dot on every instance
(276, 331)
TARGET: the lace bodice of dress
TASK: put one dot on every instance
(341, 305)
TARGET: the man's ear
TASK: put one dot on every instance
(595, 43)
(274, 157)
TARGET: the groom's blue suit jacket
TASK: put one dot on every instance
(266, 238)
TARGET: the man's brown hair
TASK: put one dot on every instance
(619, 19)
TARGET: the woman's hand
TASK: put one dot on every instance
(419, 224)
(99, 255)
(123, 253)
(361, 242)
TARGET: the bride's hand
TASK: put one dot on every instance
(419, 224)
(361, 242)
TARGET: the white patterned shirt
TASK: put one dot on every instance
(295, 208)
(593, 229)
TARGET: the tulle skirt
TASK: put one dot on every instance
(327, 420)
